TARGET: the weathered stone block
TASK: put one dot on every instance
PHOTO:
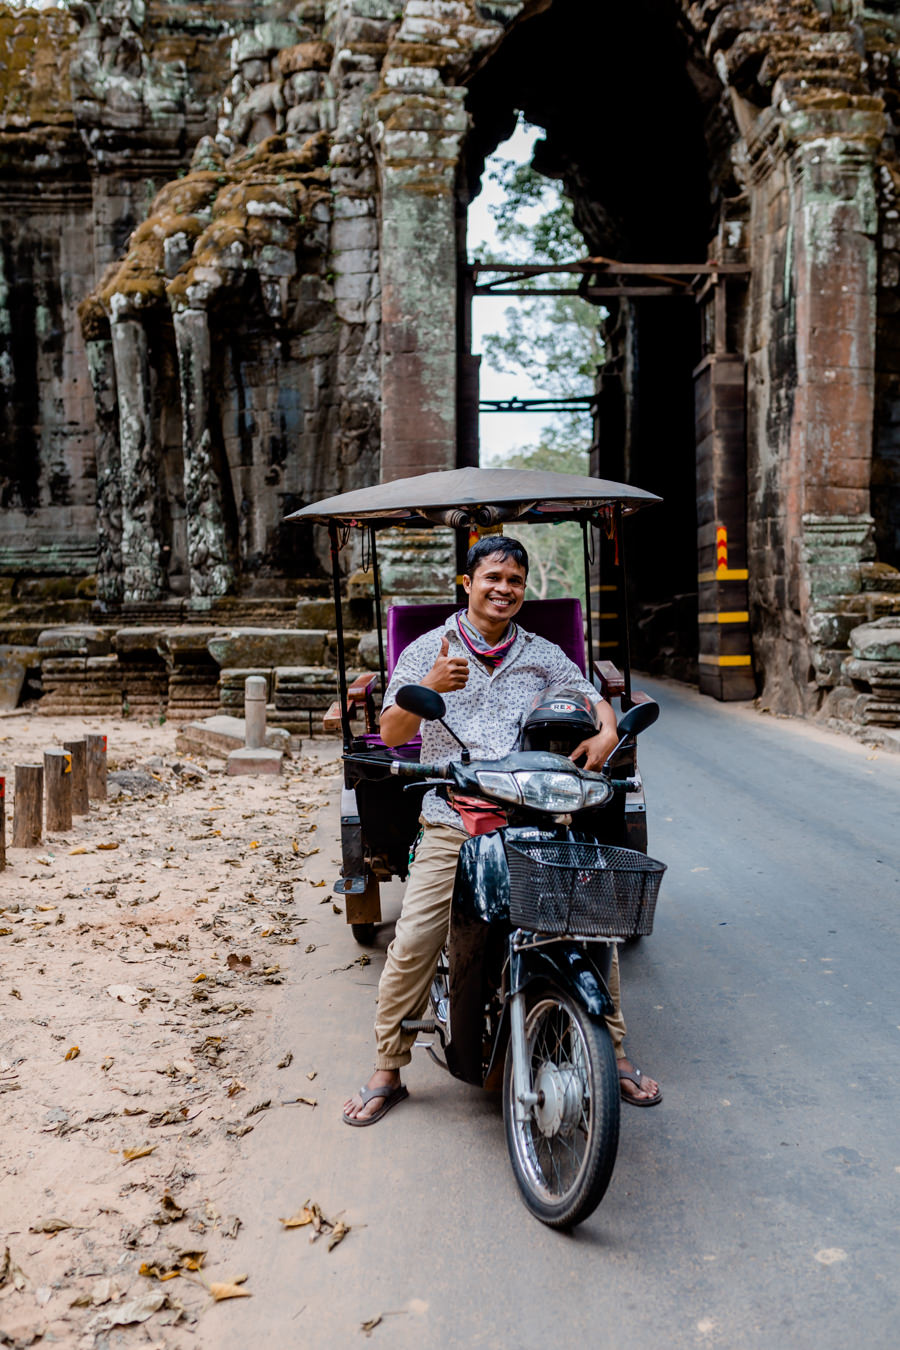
(315, 614)
(305, 56)
(81, 641)
(878, 641)
(367, 651)
(14, 662)
(246, 761)
(186, 645)
(269, 647)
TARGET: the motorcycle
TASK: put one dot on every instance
(520, 997)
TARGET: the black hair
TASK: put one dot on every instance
(491, 545)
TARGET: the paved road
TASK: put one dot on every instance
(756, 1207)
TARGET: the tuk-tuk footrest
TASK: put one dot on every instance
(412, 1026)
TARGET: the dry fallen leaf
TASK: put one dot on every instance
(124, 993)
(369, 1327)
(131, 1154)
(107, 846)
(157, 1272)
(135, 1310)
(50, 1226)
(192, 1260)
(232, 1290)
(338, 1234)
(254, 843)
(169, 1209)
(236, 962)
(299, 1220)
(72, 1053)
(105, 1291)
(176, 1115)
(10, 1272)
(73, 852)
(260, 1106)
(312, 1074)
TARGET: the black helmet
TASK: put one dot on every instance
(559, 720)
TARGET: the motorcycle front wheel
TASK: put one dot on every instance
(563, 1154)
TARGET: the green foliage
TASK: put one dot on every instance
(554, 551)
(552, 237)
(556, 342)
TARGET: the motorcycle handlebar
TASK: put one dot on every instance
(409, 769)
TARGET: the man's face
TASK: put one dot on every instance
(496, 591)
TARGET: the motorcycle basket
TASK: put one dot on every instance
(590, 890)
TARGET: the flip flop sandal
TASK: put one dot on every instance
(391, 1097)
(635, 1077)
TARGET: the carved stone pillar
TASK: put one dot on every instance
(102, 370)
(835, 263)
(143, 577)
(209, 560)
(419, 137)
(810, 385)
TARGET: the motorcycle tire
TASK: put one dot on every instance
(564, 1153)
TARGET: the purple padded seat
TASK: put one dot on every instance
(560, 621)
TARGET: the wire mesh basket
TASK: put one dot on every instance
(596, 890)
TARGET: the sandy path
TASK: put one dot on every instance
(141, 958)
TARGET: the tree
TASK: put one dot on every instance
(557, 342)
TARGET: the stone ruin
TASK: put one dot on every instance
(234, 279)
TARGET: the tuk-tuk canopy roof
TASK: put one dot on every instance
(476, 496)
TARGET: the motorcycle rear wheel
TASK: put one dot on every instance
(564, 1153)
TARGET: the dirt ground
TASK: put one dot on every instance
(141, 957)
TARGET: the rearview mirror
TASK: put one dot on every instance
(637, 719)
(421, 701)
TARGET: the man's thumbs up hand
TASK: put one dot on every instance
(448, 672)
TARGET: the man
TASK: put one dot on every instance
(488, 671)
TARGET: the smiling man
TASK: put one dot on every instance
(488, 671)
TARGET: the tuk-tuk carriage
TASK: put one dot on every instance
(379, 820)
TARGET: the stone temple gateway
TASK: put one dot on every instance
(233, 279)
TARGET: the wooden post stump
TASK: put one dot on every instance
(58, 789)
(2, 824)
(29, 812)
(78, 750)
(96, 767)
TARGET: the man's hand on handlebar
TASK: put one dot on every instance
(596, 750)
(448, 672)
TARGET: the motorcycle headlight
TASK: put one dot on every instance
(550, 791)
(597, 792)
(502, 785)
(559, 793)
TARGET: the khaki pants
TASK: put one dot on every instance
(421, 933)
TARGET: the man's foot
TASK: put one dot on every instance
(387, 1081)
(637, 1088)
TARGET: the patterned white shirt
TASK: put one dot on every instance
(487, 715)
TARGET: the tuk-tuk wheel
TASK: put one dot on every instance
(364, 933)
